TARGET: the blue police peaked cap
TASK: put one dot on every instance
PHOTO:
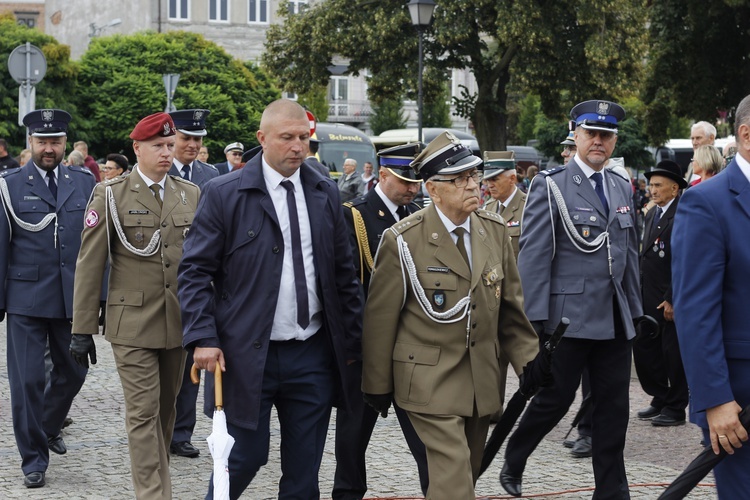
(190, 121)
(47, 122)
(598, 115)
(398, 159)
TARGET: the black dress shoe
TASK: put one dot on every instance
(184, 449)
(649, 412)
(582, 448)
(57, 445)
(34, 480)
(510, 482)
(569, 443)
(667, 421)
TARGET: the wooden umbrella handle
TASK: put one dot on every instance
(218, 386)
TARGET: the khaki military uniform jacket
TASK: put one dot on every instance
(436, 368)
(512, 214)
(142, 306)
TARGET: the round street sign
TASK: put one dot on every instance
(27, 63)
(313, 121)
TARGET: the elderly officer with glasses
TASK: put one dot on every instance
(444, 298)
(579, 259)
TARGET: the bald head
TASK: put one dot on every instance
(281, 109)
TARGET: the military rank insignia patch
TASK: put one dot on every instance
(92, 218)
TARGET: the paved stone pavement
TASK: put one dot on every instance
(97, 465)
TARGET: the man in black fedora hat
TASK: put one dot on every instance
(657, 359)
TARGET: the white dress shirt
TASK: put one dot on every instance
(285, 325)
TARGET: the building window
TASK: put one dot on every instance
(258, 11)
(218, 10)
(179, 10)
(27, 18)
(338, 96)
(297, 6)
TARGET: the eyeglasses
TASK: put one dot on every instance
(570, 149)
(461, 182)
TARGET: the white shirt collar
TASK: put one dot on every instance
(274, 178)
(43, 173)
(666, 207)
(179, 164)
(510, 198)
(743, 164)
(587, 171)
(450, 226)
(388, 203)
(148, 181)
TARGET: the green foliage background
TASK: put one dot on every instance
(120, 82)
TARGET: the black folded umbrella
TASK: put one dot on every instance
(647, 326)
(700, 467)
(537, 373)
(585, 406)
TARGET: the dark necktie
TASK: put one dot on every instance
(186, 172)
(371, 184)
(459, 231)
(155, 188)
(52, 184)
(657, 216)
(402, 212)
(599, 181)
(300, 284)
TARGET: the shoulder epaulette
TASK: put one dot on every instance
(489, 215)
(113, 181)
(357, 201)
(80, 169)
(208, 165)
(9, 171)
(407, 223)
(180, 179)
(552, 171)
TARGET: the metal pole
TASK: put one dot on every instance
(419, 90)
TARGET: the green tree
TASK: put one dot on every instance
(387, 115)
(316, 100)
(54, 91)
(120, 82)
(697, 62)
(437, 112)
(580, 49)
(527, 119)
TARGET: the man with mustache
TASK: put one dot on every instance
(444, 298)
(579, 259)
(44, 203)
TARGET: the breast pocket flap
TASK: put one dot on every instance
(416, 353)
(432, 280)
(125, 298)
(138, 220)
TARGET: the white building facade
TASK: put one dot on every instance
(239, 26)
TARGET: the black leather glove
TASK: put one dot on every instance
(538, 327)
(81, 348)
(379, 402)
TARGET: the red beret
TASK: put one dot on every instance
(156, 125)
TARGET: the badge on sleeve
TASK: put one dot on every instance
(92, 218)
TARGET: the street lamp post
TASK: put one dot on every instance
(421, 17)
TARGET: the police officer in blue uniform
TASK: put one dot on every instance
(368, 217)
(579, 259)
(190, 126)
(40, 235)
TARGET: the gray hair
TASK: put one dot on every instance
(76, 158)
(741, 116)
(708, 129)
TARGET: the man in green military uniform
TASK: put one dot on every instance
(445, 296)
(139, 223)
(507, 200)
